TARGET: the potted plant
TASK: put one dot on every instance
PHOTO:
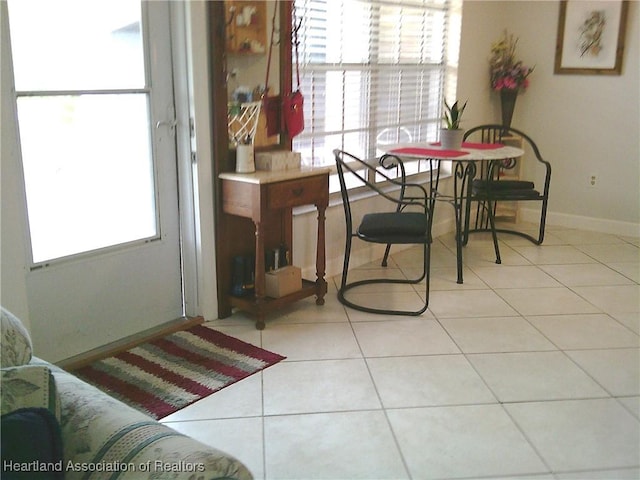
(451, 134)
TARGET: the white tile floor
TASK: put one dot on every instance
(528, 370)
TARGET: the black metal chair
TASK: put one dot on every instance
(408, 221)
(492, 187)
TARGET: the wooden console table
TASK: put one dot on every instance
(267, 198)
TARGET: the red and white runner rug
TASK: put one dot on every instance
(165, 375)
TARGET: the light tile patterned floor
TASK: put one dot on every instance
(529, 370)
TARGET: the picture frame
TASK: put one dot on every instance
(591, 37)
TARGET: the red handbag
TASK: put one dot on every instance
(284, 114)
(272, 105)
(293, 103)
(293, 107)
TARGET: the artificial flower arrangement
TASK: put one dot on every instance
(507, 72)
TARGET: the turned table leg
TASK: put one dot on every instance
(259, 281)
(321, 284)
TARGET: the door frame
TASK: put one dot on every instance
(191, 61)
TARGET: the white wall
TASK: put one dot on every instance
(583, 124)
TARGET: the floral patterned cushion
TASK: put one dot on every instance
(16, 342)
(29, 386)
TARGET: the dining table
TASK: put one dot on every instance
(465, 167)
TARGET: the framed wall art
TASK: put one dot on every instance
(591, 37)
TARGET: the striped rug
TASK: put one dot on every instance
(162, 376)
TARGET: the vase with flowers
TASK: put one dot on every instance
(508, 75)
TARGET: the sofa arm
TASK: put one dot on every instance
(102, 433)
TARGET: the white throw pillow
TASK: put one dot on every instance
(16, 343)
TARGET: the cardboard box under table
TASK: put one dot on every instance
(283, 281)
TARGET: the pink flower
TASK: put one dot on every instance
(510, 83)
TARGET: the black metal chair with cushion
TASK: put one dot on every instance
(408, 221)
(492, 185)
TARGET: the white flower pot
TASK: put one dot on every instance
(245, 162)
(451, 139)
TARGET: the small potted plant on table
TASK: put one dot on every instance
(451, 134)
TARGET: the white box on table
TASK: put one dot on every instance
(277, 160)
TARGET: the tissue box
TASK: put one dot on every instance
(277, 160)
(283, 281)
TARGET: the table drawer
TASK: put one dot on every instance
(297, 192)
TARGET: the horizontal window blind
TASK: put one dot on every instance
(372, 73)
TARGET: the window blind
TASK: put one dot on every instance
(372, 73)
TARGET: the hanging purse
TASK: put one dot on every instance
(293, 103)
(271, 105)
(293, 107)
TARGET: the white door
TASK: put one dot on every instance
(95, 114)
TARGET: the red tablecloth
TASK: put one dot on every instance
(477, 146)
(429, 152)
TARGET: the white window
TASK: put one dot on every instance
(373, 73)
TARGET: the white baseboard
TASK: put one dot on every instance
(614, 227)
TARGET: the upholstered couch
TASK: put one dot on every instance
(100, 436)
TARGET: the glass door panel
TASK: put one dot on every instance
(84, 120)
(88, 172)
(76, 44)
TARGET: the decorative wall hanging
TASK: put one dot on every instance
(591, 37)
